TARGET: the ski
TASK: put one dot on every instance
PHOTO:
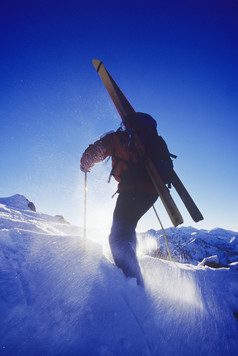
(121, 103)
(186, 198)
(125, 109)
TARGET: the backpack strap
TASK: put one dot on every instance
(117, 160)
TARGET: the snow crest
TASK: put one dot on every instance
(59, 298)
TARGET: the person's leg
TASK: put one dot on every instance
(123, 246)
(129, 209)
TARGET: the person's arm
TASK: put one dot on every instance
(95, 153)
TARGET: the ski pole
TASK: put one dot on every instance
(85, 211)
(166, 240)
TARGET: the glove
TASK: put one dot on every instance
(83, 169)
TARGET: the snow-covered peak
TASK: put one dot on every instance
(189, 245)
(17, 212)
(18, 201)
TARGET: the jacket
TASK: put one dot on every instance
(127, 167)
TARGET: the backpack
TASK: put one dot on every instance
(145, 127)
(155, 146)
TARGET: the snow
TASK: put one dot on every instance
(212, 259)
(189, 245)
(58, 299)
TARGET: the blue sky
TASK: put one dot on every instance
(176, 60)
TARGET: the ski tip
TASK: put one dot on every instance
(97, 64)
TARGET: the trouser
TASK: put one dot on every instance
(130, 207)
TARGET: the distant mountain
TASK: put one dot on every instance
(189, 245)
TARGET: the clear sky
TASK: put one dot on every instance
(176, 60)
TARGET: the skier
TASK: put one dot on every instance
(136, 190)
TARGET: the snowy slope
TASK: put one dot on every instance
(57, 299)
